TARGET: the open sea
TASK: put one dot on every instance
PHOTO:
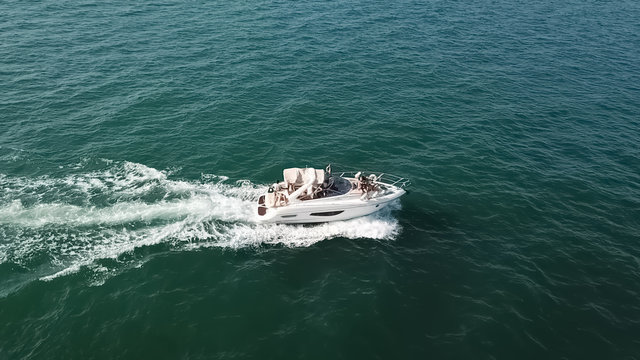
(136, 136)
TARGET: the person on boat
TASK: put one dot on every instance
(363, 183)
(281, 199)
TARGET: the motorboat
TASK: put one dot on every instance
(309, 195)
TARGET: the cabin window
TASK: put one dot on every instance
(327, 213)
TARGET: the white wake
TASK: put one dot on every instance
(79, 219)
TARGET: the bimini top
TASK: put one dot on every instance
(299, 181)
(300, 176)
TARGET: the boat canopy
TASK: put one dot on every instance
(301, 176)
(299, 181)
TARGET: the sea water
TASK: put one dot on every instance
(135, 139)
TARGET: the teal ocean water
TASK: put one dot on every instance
(135, 138)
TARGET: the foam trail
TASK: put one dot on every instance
(380, 226)
(122, 213)
(74, 221)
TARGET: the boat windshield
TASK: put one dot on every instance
(337, 186)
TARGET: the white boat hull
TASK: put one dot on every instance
(336, 208)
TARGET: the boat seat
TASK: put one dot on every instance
(270, 200)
